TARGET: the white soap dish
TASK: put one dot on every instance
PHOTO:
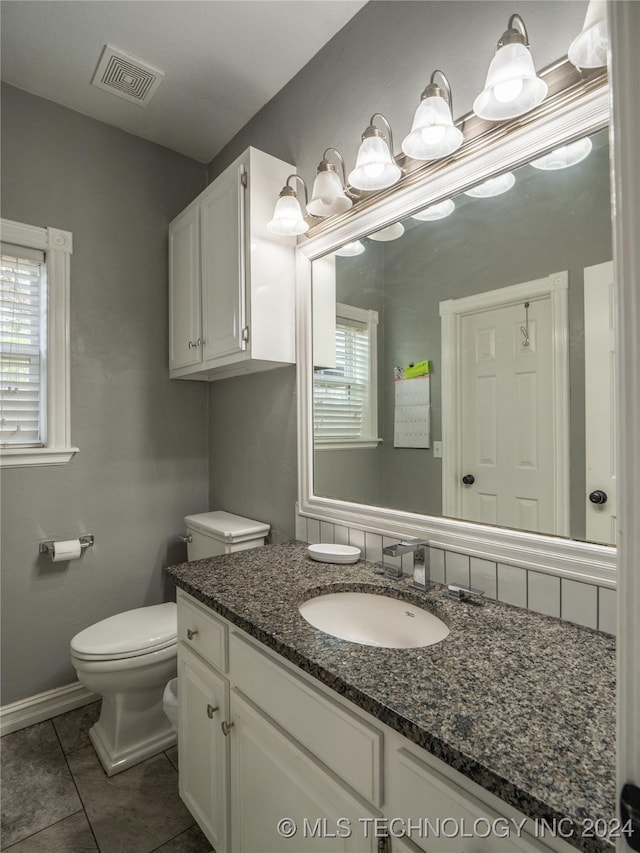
(334, 553)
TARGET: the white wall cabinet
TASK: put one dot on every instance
(232, 282)
(292, 750)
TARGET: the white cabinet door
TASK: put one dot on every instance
(203, 753)
(274, 780)
(185, 334)
(222, 233)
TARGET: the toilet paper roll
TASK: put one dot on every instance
(66, 549)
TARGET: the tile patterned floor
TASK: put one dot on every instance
(56, 797)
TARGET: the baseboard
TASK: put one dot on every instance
(43, 706)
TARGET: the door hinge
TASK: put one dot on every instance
(245, 334)
(244, 179)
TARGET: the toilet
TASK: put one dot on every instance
(128, 658)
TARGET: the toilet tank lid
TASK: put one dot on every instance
(226, 526)
(142, 629)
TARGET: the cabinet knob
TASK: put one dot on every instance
(199, 342)
(192, 345)
(468, 479)
(226, 727)
(191, 634)
(598, 497)
(211, 711)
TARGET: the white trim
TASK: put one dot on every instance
(43, 706)
(581, 560)
(624, 24)
(555, 286)
(58, 247)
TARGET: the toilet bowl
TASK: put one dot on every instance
(127, 659)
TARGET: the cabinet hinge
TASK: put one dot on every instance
(245, 334)
(244, 179)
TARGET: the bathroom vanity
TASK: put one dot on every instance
(498, 738)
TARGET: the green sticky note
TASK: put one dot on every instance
(419, 368)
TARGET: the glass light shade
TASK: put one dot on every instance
(328, 195)
(589, 49)
(494, 186)
(567, 155)
(375, 168)
(432, 132)
(350, 250)
(436, 211)
(391, 232)
(287, 217)
(512, 86)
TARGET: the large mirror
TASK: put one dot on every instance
(462, 355)
(455, 371)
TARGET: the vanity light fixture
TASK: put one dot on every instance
(350, 250)
(328, 195)
(565, 156)
(512, 86)
(590, 48)
(288, 220)
(375, 167)
(494, 186)
(436, 211)
(433, 134)
(390, 232)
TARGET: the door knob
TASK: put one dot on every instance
(468, 479)
(598, 497)
(630, 814)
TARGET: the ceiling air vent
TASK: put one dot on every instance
(126, 76)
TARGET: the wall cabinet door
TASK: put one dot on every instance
(222, 242)
(273, 779)
(203, 752)
(185, 332)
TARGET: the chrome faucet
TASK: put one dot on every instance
(421, 568)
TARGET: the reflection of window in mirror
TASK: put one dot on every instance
(345, 408)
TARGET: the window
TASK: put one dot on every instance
(34, 345)
(345, 408)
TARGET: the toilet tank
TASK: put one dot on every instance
(210, 534)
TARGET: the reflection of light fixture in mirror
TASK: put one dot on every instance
(375, 167)
(350, 250)
(494, 186)
(512, 87)
(287, 215)
(391, 232)
(432, 132)
(589, 49)
(436, 211)
(567, 155)
(328, 195)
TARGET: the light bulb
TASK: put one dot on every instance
(494, 186)
(565, 156)
(375, 167)
(436, 211)
(506, 92)
(287, 217)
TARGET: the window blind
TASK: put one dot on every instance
(22, 340)
(341, 394)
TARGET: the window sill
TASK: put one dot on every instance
(22, 457)
(345, 444)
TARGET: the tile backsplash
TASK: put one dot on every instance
(583, 603)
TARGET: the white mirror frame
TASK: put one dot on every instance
(564, 557)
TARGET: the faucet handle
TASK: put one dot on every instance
(460, 593)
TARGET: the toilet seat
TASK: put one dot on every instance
(129, 634)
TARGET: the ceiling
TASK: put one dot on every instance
(222, 59)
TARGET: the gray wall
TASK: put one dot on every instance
(380, 61)
(142, 463)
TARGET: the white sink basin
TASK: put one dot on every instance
(373, 620)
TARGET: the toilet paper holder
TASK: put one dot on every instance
(48, 547)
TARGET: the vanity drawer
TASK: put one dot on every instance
(202, 631)
(340, 739)
(420, 792)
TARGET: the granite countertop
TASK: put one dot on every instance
(521, 703)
